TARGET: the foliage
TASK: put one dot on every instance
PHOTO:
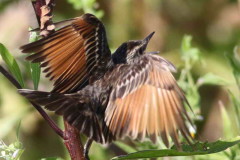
(11, 152)
(191, 55)
(34, 67)
(11, 64)
(87, 6)
(188, 80)
(187, 150)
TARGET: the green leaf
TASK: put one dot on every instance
(211, 79)
(11, 64)
(34, 67)
(35, 74)
(187, 150)
(18, 130)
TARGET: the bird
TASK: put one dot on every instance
(107, 96)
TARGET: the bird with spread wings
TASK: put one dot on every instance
(109, 96)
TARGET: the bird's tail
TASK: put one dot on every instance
(74, 107)
(40, 97)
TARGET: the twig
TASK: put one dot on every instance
(10, 77)
(51, 123)
(73, 142)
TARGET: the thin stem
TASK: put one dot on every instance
(10, 77)
(51, 123)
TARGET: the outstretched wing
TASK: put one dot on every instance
(74, 108)
(73, 55)
(146, 101)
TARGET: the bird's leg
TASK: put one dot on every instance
(87, 147)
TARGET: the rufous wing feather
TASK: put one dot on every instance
(153, 109)
(72, 54)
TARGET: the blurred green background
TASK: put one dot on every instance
(213, 24)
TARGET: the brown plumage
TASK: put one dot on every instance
(140, 100)
(74, 55)
(146, 101)
(129, 93)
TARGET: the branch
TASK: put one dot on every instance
(50, 122)
(73, 142)
(10, 77)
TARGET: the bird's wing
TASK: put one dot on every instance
(74, 109)
(72, 55)
(146, 101)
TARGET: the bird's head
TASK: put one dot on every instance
(130, 50)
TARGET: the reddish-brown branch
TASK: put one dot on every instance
(73, 143)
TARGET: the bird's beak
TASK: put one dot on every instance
(146, 40)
